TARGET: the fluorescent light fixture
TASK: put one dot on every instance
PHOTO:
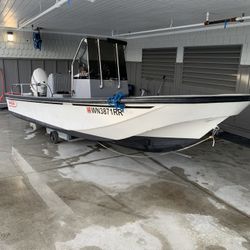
(10, 36)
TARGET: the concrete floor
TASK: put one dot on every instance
(79, 195)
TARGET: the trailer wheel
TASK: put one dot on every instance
(54, 138)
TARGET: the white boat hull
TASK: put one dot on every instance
(188, 120)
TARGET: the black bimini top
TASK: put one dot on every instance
(185, 99)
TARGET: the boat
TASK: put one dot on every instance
(93, 102)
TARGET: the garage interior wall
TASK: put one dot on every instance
(54, 46)
(211, 67)
(19, 58)
(234, 39)
(158, 65)
(20, 70)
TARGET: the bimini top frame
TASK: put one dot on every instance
(108, 51)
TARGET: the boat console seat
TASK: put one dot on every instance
(58, 84)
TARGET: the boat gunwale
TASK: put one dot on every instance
(181, 99)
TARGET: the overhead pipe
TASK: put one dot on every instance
(189, 26)
(160, 30)
(57, 5)
(174, 32)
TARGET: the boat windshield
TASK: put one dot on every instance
(93, 58)
(109, 60)
(100, 59)
(106, 55)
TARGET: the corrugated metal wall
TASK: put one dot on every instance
(213, 67)
(205, 70)
(157, 63)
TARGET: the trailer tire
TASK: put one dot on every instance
(54, 137)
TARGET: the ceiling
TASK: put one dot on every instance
(120, 16)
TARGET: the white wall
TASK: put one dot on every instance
(238, 35)
(54, 46)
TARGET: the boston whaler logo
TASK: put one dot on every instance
(12, 103)
(104, 111)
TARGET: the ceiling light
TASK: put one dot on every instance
(10, 36)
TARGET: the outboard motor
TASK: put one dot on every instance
(39, 82)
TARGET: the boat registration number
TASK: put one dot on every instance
(104, 111)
